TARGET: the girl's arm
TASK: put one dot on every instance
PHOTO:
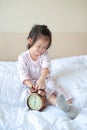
(44, 73)
(28, 83)
(41, 81)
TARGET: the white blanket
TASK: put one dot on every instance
(70, 72)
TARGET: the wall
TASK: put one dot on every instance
(60, 15)
(66, 19)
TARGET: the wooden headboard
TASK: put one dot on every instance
(64, 44)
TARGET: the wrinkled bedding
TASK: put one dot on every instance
(70, 72)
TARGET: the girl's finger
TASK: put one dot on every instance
(36, 87)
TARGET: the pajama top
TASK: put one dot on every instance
(30, 69)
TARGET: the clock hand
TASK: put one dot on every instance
(34, 103)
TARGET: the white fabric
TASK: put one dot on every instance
(69, 72)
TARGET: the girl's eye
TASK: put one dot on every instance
(45, 48)
(38, 46)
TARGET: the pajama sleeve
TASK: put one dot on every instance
(23, 69)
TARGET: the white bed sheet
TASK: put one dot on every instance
(69, 72)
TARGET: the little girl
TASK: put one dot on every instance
(34, 69)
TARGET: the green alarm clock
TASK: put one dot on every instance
(36, 101)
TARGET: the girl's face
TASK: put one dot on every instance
(40, 46)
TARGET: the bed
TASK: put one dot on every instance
(70, 72)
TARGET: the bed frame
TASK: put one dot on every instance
(64, 44)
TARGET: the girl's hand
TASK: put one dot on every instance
(33, 89)
(42, 92)
(40, 84)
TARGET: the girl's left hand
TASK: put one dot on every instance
(40, 84)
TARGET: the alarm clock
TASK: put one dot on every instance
(36, 101)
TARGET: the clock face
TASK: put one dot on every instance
(34, 102)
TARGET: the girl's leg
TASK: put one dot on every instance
(59, 101)
(52, 99)
(52, 92)
(66, 93)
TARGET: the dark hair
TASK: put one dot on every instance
(36, 32)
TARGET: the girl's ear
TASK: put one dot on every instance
(29, 41)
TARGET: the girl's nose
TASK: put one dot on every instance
(41, 49)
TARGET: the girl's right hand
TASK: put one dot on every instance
(40, 84)
(42, 92)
